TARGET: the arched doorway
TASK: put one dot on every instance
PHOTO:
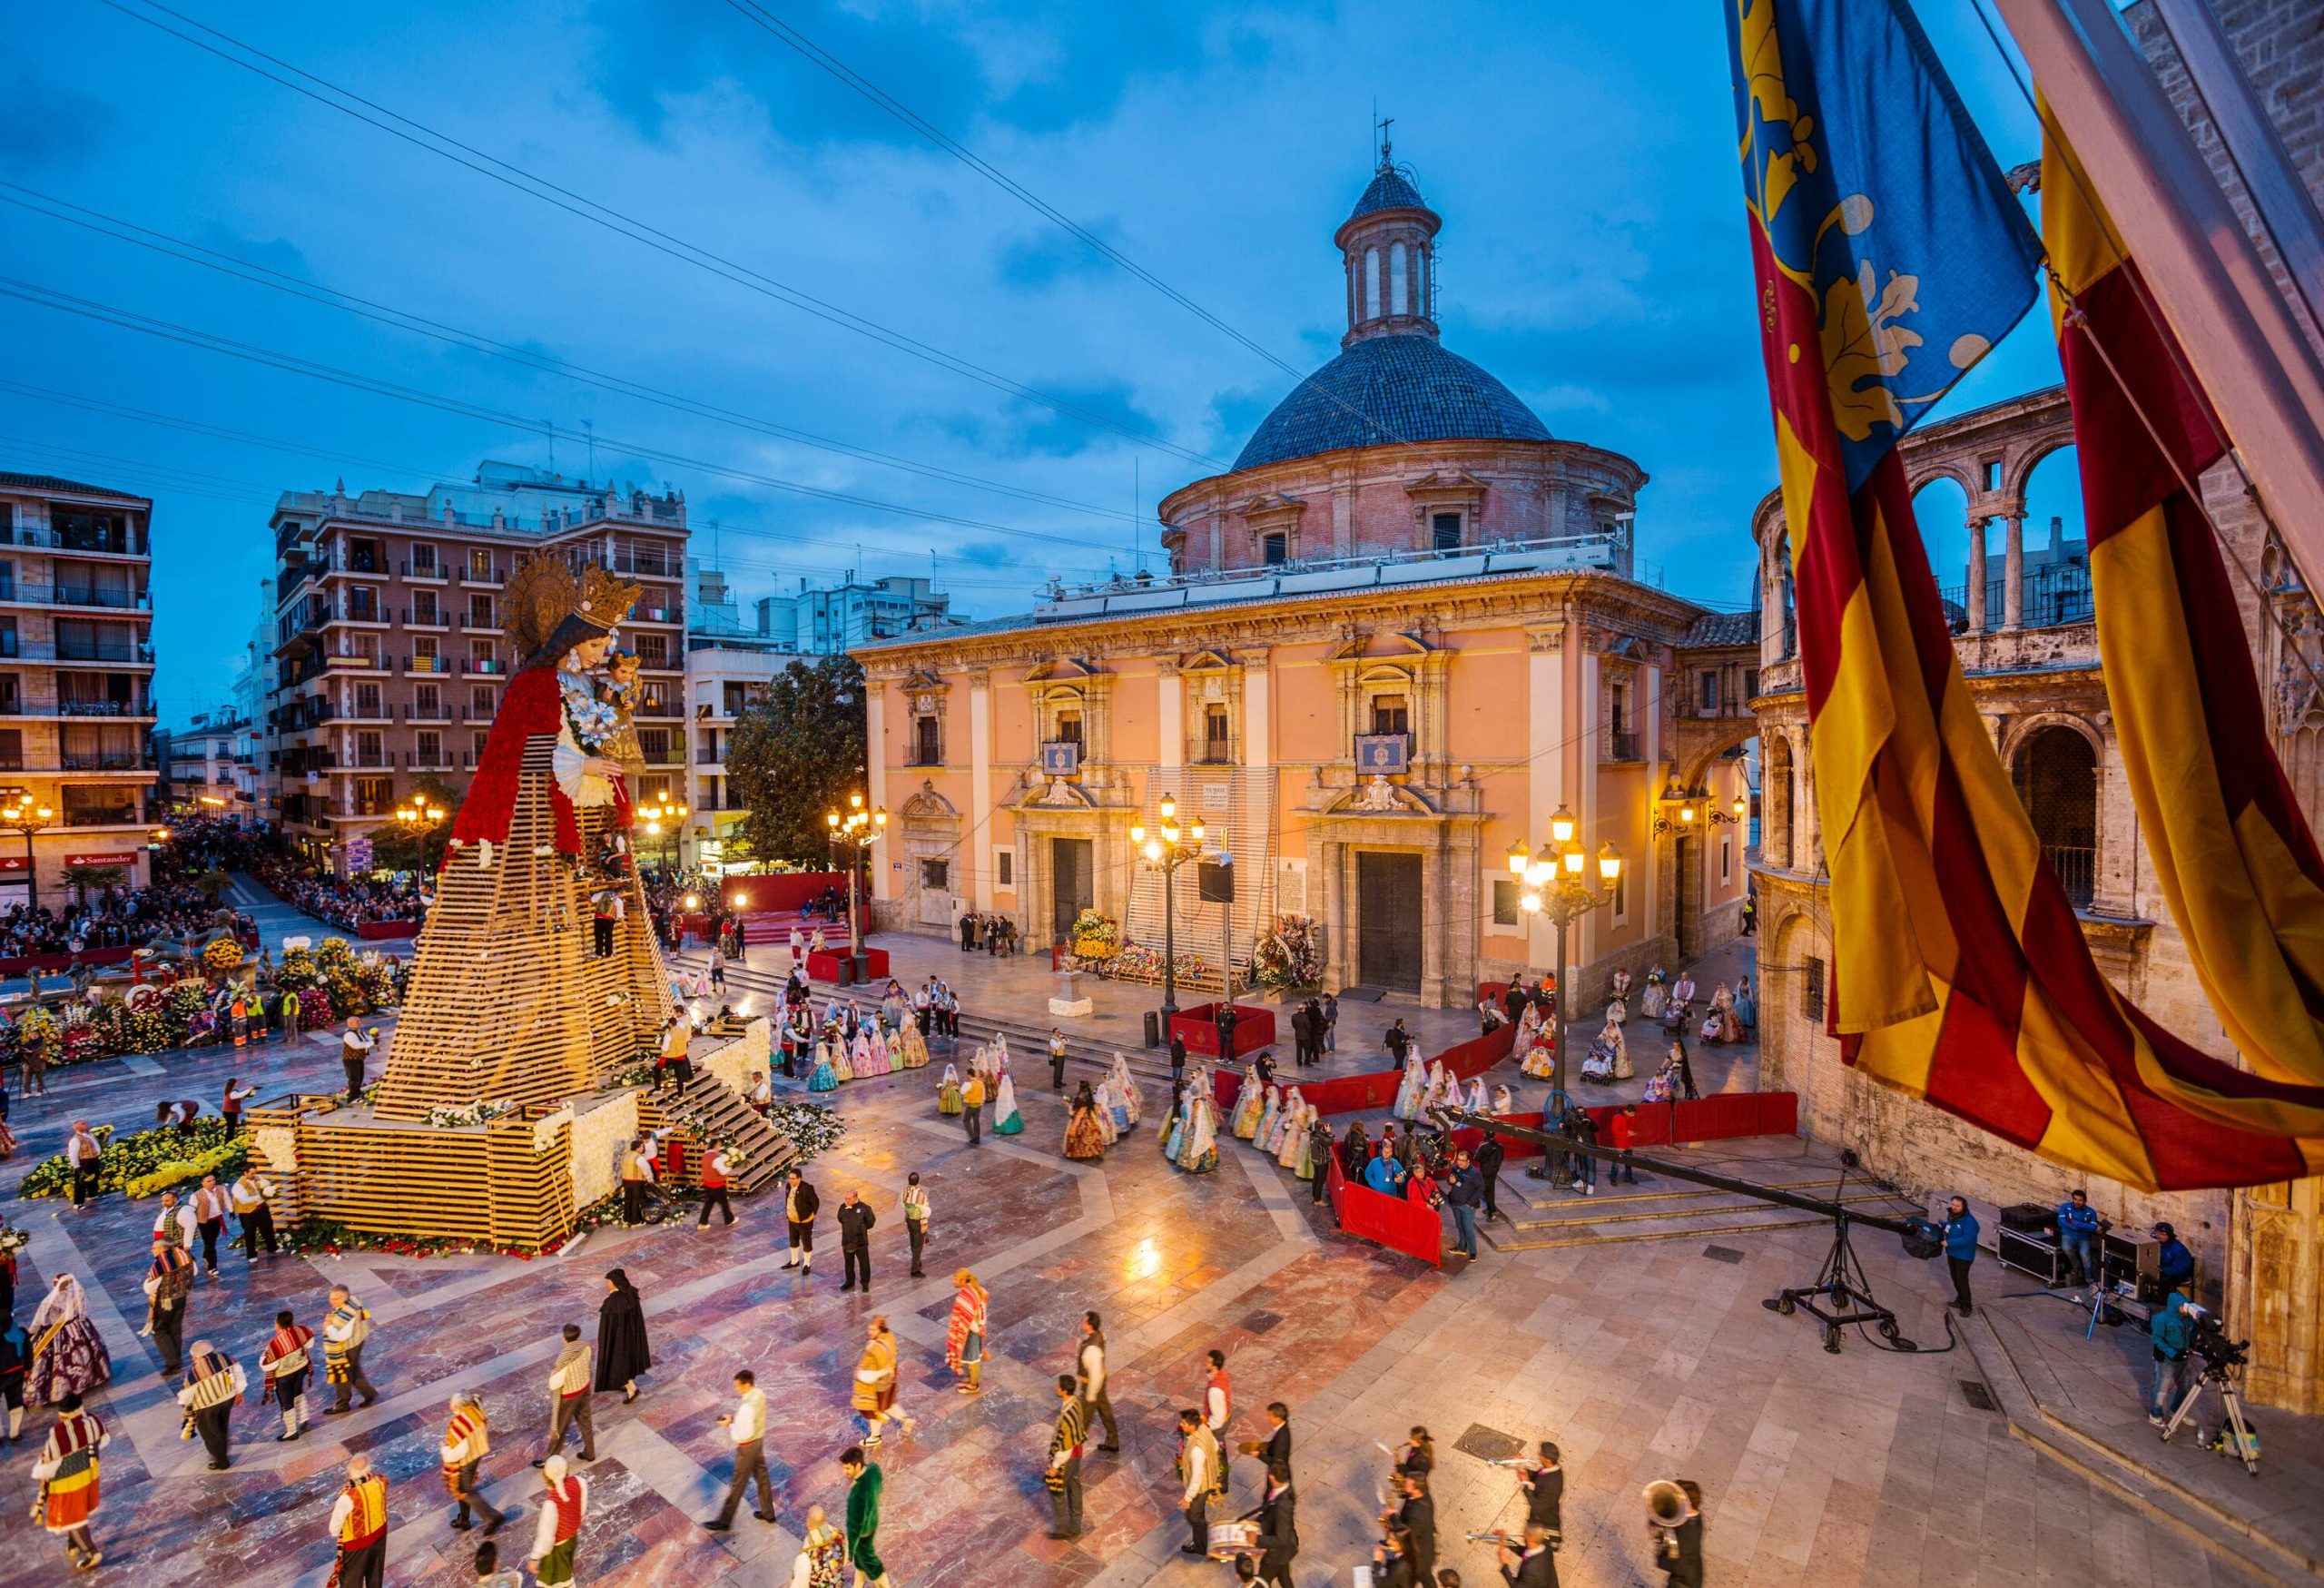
(2055, 772)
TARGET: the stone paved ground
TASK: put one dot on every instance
(1643, 1360)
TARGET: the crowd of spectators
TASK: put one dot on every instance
(113, 918)
(348, 902)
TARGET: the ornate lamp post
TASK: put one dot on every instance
(1170, 847)
(862, 829)
(19, 814)
(1555, 886)
(662, 815)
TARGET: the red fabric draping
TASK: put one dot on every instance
(375, 930)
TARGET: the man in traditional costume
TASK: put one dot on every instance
(283, 1367)
(359, 1525)
(964, 1331)
(345, 1329)
(823, 1553)
(916, 1219)
(211, 1206)
(1090, 1370)
(1063, 1477)
(355, 1046)
(568, 1397)
(864, 1483)
(1198, 1475)
(67, 1474)
(799, 1207)
(169, 1280)
(214, 1387)
(82, 1154)
(873, 1394)
(251, 1206)
(565, 1501)
(468, 1440)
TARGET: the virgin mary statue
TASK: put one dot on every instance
(514, 993)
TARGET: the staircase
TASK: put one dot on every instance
(710, 1111)
(1236, 806)
(1539, 1215)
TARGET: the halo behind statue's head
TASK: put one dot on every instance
(551, 610)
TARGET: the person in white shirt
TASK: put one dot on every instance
(568, 1390)
(355, 1047)
(1198, 1465)
(747, 1427)
(1094, 1402)
(250, 1197)
(210, 1208)
(175, 1223)
(82, 1152)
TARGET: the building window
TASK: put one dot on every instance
(374, 796)
(1751, 682)
(1218, 744)
(1709, 686)
(1068, 726)
(927, 743)
(430, 752)
(1392, 713)
(2055, 772)
(653, 650)
(1371, 284)
(426, 703)
(12, 749)
(1622, 894)
(1506, 911)
(1726, 859)
(1993, 474)
(1811, 992)
(1398, 279)
(366, 701)
(1004, 868)
(423, 606)
(423, 562)
(1274, 549)
(363, 557)
(480, 563)
(367, 751)
(480, 702)
(479, 611)
(935, 875)
(1444, 531)
(478, 753)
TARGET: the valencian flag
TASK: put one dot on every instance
(2232, 853)
(1890, 256)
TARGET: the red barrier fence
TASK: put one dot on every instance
(1352, 1094)
(835, 965)
(1254, 1029)
(375, 931)
(1723, 1118)
(1410, 1227)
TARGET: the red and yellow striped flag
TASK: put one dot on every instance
(1890, 256)
(2232, 853)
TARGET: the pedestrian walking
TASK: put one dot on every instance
(81, 1153)
(1331, 1022)
(864, 1483)
(972, 1106)
(1278, 1540)
(823, 1553)
(253, 1205)
(211, 1206)
(556, 1537)
(855, 1221)
(964, 1331)
(359, 1526)
(1091, 1376)
(283, 1367)
(346, 1329)
(799, 1208)
(1217, 1412)
(715, 1166)
(568, 1397)
(355, 1047)
(468, 1440)
(67, 1472)
(1063, 1479)
(874, 1393)
(916, 1219)
(746, 1426)
(622, 1352)
(1057, 1059)
(1678, 1541)
(1959, 1250)
(169, 1280)
(214, 1385)
(717, 968)
(1199, 1478)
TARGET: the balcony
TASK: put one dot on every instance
(708, 755)
(439, 760)
(1622, 746)
(483, 627)
(427, 665)
(491, 580)
(670, 756)
(437, 619)
(489, 667)
(103, 761)
(372, 711)
(89, 596)
(659, 709)
(140, 654)
(2077, 870)
(87, 543)
(356, 662)
(671, 614)
(366, 760)
(439, 713)
(433, 573)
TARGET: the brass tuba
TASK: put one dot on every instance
(1665, 1503)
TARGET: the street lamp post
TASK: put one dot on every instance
(19, 814)
(662, 815)
(1555, 886)
(1170, 847)
(862, 829)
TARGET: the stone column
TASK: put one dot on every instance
(1259, 736)
(1436, 925)
(1324, 872)
(976, 846)
(1809, 855)
(1544, 767)
(2115, 886)
(1978, 576)
(2013, 574)
(1650, 713)
(2275, 1291)
(1589, 749)
(1170, 714)
(875, 762)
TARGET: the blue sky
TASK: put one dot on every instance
(1582, 156)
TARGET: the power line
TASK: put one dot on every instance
(598, 214)
(261, 275)
(291, 363)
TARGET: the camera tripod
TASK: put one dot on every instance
(2235, 1427)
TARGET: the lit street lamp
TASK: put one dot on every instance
(19, 814)
(662, 815)
(1170, 847)
(1555, 887)
(862, 829)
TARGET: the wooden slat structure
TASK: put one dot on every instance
(506, 997)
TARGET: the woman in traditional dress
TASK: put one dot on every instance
(69, 1357)
(1477, 1103)
(1609, 1055)
(1127, 1106)
(826, 1075)
(1541, 1058)
(67, 1474)
(1105, 1097)
(815, 940)
(1409, 1089)
(1085, 1137)
(1006, 1119)
(1198, 1152)
(1504, 1101)
(1747, 1004)
(1172, 1139)
(1622, 999)
(1714, 1017)
(623, 1353)
(859, 1054)
(964, 1331)
(891, 1003)
(1263, 1137)
(910, 1050)
(948, 1091)
(1656, 992)
(842, 1061)
(1293, 1129)
(798, 945)
(1250, 1105)
(881, 1058)
(823, 1549)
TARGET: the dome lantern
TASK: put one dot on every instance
(1388, 248)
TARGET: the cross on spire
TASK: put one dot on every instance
(1387, 147)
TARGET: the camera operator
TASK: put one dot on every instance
(2172, 1330)
(2077, 1227)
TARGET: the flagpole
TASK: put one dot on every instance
(2249, 355)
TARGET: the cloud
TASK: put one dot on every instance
(45, 126)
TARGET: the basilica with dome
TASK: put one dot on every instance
(1400, 636)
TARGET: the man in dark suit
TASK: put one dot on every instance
(1278, 1538)
(1533, 1566)
(1274, 1450)
(1302, 1035)
(1418, 1514)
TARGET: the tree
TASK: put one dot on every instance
(795, 754)
(103, 878)
(417, 846)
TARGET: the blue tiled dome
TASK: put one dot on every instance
(1389, 388)
(1391, 189)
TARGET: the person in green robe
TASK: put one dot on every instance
(863, 1485)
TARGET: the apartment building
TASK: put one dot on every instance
(824, 621)
(725, 674)
(76, 674)
(205, 767)
(389, 661)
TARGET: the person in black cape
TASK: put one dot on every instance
(621, 1353)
